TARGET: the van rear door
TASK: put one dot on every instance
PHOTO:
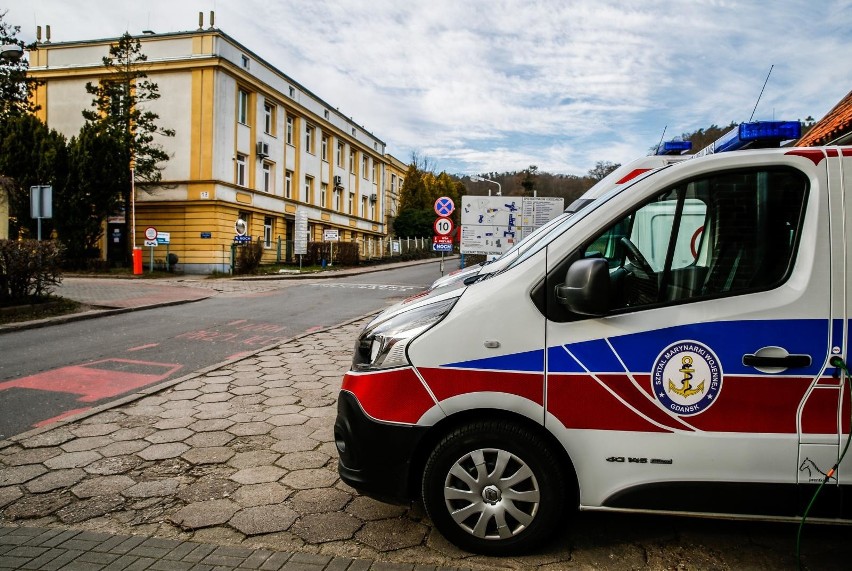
(679, 387)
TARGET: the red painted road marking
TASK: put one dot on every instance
(65, 414)
(97, 380)
(314, 328)
(148, 346)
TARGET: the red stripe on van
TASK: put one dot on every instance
(378, 394)
(812, 154)
(446, 383)
(631, 175)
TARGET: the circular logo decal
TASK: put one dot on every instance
(686, 378)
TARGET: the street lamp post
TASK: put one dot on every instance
(11, 52)
(475, 178)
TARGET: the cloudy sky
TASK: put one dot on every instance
(482, 86)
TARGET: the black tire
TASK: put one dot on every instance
(530, 504)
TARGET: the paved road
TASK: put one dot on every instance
(51, 372)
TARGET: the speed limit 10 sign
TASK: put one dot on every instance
(443, 226)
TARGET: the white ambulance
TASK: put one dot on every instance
(671, 349)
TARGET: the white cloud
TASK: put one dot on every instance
(497, 85)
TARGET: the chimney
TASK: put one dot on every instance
(212, 19)
(200, 21)
(38, 33)
(47, 34)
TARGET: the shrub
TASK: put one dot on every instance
(346, 253)
(248, 257)
(29, 269)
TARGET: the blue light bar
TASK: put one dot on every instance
(758, 134)
(770, 130)
(674, 147)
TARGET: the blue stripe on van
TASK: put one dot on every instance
(728, 339)
(529, 361)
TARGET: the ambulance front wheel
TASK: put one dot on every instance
(494, 488)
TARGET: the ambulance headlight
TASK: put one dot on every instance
(382, 344)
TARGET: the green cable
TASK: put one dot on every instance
(840, 364)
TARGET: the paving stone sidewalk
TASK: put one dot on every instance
(238, 455)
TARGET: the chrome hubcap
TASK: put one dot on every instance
(491, 493)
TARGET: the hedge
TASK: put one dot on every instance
(29, 269)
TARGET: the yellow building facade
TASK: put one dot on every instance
(250, 143)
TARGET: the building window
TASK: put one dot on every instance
(288, 184)
(242, 107)
(325, 113)
(309, 138)
(363, 206)
(372, 210)
(267, 177)
(308, 197)
(292, 91)
(323, 194)
(337, 194)
(364, 171)
(289, 130)
(241, 170)
(267, 232)
(375, 171)
(324, 148)
(339, 158)
(351, 202)
(354, 132)
(352, 161)
(269, 118)
(393, 183)
(246, 62)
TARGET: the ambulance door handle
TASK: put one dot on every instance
(787, 362)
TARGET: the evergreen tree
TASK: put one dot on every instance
(120, 111)
(97, 175)
(30, 154)
(16, 87)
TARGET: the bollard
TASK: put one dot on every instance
(137, 261)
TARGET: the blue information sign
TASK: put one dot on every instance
(442, 247)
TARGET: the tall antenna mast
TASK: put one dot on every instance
(761, 92)
(661, 138)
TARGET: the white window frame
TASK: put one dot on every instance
(351, 202)
(352, 161)
(310, 135)
(268, 118)
(309, 189)
(337, 194)
(364, 166)
(242, 106)
(324, 148)
(288, 184)
(339, 157)
(323, 194)
(267, 231)
(241, 171)
(268, 180)
(289, 130)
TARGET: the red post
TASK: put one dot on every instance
(137, 261)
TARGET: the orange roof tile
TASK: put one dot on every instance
(836, 122)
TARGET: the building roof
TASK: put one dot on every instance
(833, 126)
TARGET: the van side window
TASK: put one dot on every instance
(727, 234)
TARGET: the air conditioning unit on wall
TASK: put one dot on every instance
(374, 197)
(338, 180)
(262, 150)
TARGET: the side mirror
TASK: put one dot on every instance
(586, 287)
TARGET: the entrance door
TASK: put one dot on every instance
(683, 391)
